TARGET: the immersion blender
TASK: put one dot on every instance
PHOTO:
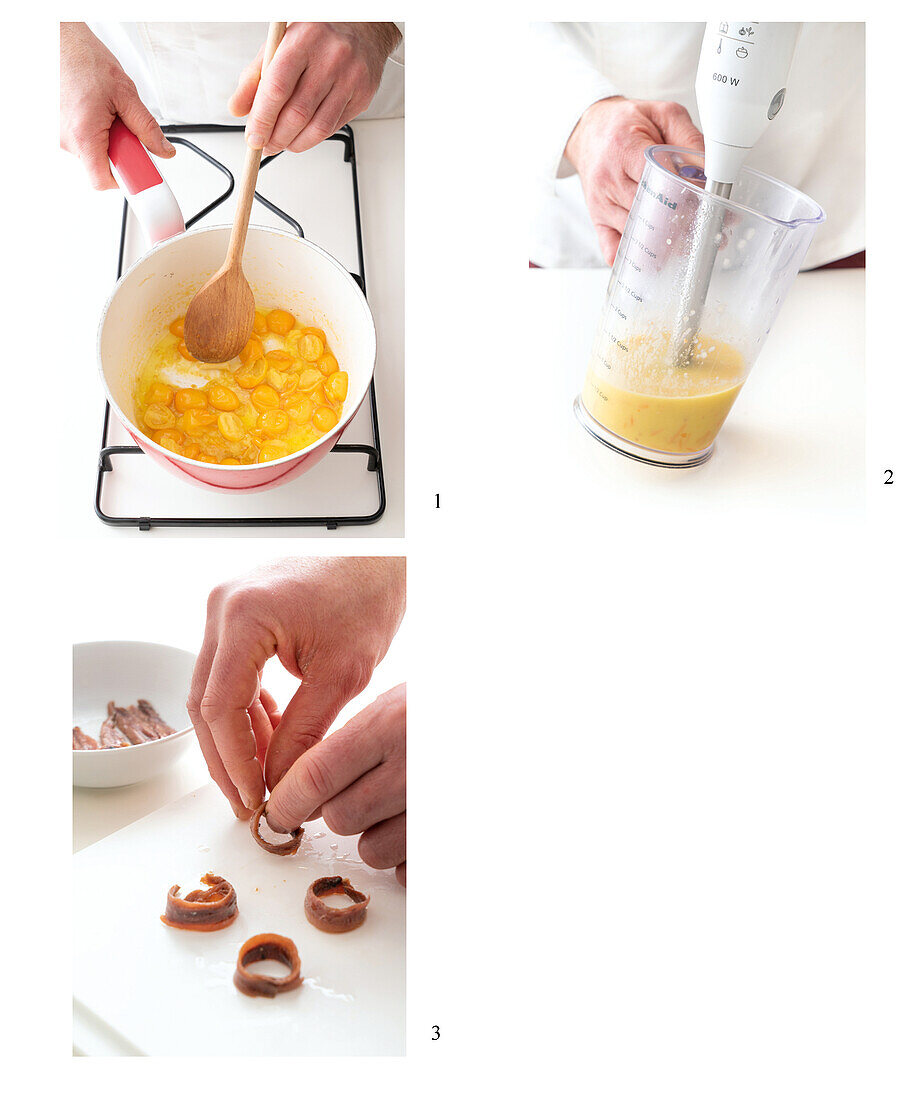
(739, 89)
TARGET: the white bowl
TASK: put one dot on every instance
(126, 672)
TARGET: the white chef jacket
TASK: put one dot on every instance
(816, 143)
(186, 72)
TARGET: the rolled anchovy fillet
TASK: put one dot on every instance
(327, 919)
(286, 848)
(267, 945)
(202, 910)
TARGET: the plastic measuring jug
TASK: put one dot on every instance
(696, 286)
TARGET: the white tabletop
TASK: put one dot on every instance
(794, 439)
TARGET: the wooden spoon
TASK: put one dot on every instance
(220, 317)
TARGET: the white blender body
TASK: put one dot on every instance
(739, 89)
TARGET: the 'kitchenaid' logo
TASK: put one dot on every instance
(658, 195)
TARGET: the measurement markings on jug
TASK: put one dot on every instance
(639, 245)
(604, 367)
(613, 338)
(630, 291)
(620, 344)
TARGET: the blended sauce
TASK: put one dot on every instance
(645, 398)
(283, 392)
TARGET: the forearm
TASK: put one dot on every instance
(76, 41)
(564, 83)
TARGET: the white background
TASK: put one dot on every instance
(665, 768)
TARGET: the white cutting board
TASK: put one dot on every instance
(143, 988)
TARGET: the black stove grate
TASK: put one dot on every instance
(108, 452)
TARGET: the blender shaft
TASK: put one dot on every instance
(703, 251)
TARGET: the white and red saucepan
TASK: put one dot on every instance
(284, 271)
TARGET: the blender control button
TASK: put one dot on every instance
(692, 172)
(777, 100)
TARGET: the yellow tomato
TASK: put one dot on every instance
(189, 399)
(327, 364)
(274, 422)
(157, 416)
(231, 427)
(265, 397)
(159, 394)
(324, 419)
(176, 327)
(171, 439)
(311, 347)
(336, 386)
(253, 349)
(300, 408)
(195, 421)
(259, 323)
(281, 380)
(220, 397)
(279, 321)
(252, 375)
(309, 379)
(185, 352)
(273, 449)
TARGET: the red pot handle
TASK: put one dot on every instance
(150, 198)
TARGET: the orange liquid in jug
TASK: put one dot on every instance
(640, 394)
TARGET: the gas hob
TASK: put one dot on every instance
(316, 195)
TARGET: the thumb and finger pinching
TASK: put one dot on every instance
(322, 771)
(302, 725)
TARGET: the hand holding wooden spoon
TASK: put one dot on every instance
(220, 317)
